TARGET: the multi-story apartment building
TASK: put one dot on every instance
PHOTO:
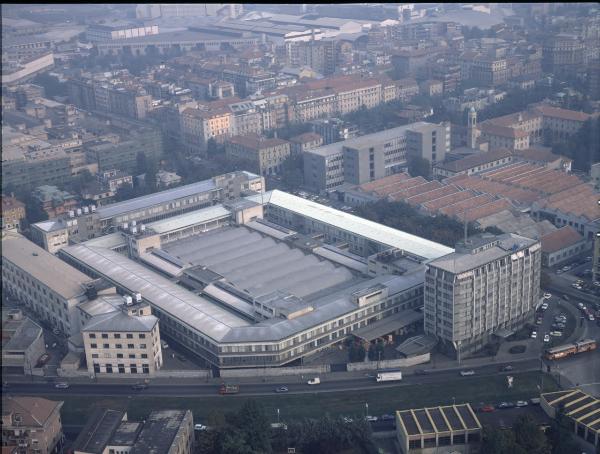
(125, 340)
(45, 284)
(305, 142)
(32, 424)
(13, 212)
(324, 168)
(563, 54)
(503, 137)
(199, 126)
(267, 155)
(561, 123)
(488, 287)
(129, 103)
(488, 72)
(529, 121)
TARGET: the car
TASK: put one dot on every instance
(488, 408)
(505, 405)
(421, 372)
(371, 418)
(521, 403)
(506, 368)
(61, 385)
(583, 309)
(539, 321)
(534, 334)
(544, 306)
(282, 389)
(387, 418)
(559, 271)
(580, 305)
(588, 258)
(597, 283)
(56, 331)
(314, 381)
(199, 427)
(547, 296)
(44, 359)
(467, 373)
(139, 386)
(566, 268)
(591, 318)
(164, 345)
(347, 420)
(546, 338)
(183, 359)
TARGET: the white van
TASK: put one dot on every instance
(314, 381)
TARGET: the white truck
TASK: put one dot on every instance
(314, 381)
(389, 375)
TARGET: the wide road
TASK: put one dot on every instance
(257, 389)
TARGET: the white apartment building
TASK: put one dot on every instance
(487, 289)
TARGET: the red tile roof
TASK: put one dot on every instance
(557, 112)
(502, 131)
(560, 239)
(461, 165)
(256, 142)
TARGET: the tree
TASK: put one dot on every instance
(418, 166)
(560, 436)
(52, 86)
(356, 353)
(529, 436)
(255, 426)
(497, 441)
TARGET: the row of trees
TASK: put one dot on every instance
(248, 432)
(403, 216)
(583, 147)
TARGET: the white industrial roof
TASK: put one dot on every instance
(356, 225)
(189, 219)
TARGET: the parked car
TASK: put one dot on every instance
(421, 372)
(467, 373)
(282, 389)
(371, 418)
(387, 418)
(544, 306)
(505, 405)
(534, 334)
(314, 381)
(580, 305)
(164, 345)
(521, 403)
(506, 368)
(199, 427)
(591, 317)
(547, 296)
(139, 386)
(487, 409)
(539, 321)
(546, 338)
(347, 420)
(61, 385)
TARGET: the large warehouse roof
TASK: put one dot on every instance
(355, 224)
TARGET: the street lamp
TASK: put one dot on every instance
(367, 408)
(278, 416)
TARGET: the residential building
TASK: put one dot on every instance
(22, 343)
(562, 245)
(199, 126)
(488, 72)
(563, 54)
(125, 340)
(54, 201)
(13, 212)
(324, 168)
(452, 428)
(45, 284)
(431, 88)
(476, 163)
(487, 289)
(561, 123)
(32, 423)
(333, 130)
(266, 155)
(596, 259)
(166, 431)
(504, 137)
(25, 69)
(114, 179)
(305, 142)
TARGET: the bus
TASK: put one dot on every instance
(389, 375)
(563, 351)
(229, 389)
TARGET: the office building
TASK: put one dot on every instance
(373, 156)
(45, 284)
(98, 33)
(124, 339)
(488, 288)
(32, 423)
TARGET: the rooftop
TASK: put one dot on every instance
(98, 430)
(459, 262)
(564, 114)
(35, 411)
(435, 420)
(357, 225)
(462, 165)
(43, 266)
(119, 321)
(559, 239)
(159, 431)
(18, 335)
(256, 142)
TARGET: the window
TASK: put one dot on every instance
(132, 356)
(129, 336)
(121, 368)
(92, 336)
(117, 336)
(93, 345)
(118, 346)
(96, 368)
(94, 355)
(133, 368)
(144, 356)
(104, 336)
(130, 346)
(109, 368)
(145, 369)
(142, 336)
(105, 346)
(119, 355)
(142, 345)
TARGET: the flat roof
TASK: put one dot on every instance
(44, 267)
(26, 333)
(359, 226)
(433, 420)
(147, 201)
(459, 262)
(159, 431)
(189, 219)
(98, 430)
(388, 324)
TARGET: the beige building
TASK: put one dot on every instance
(503, 137)
(13, 212)
(199, 126)
(45, 284)
(125, 340)
(32, 423)
(268, 155)
(561, 123)
(305, 142)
